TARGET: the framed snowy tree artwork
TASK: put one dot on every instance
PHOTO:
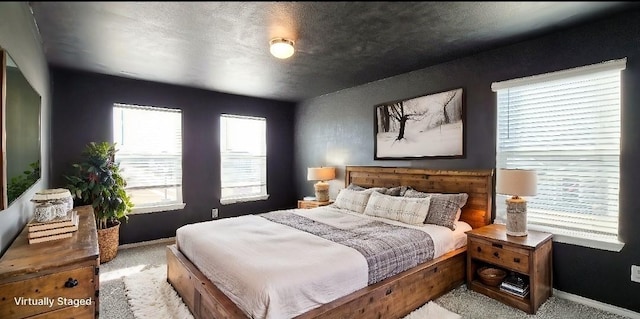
(425, 126)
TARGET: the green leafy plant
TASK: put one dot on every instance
(97, 182)
(18, 184)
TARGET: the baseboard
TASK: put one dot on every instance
(597, 304)
(169, 240)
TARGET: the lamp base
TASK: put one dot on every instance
(322, 191)
(516, 217)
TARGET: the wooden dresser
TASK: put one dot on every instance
(55, 279)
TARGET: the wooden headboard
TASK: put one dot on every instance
(477, 183)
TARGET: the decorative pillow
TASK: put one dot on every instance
(359, 188)
(394, 191)
(355, 187)
(416, 194)
(444, 209)
(458, 213)
(352, 200)
(403, 189)
(443, 213)
(411, 211)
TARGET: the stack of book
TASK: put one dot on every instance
(515, 285)
(59, 228)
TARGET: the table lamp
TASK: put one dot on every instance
(516, 182)
(322, 175)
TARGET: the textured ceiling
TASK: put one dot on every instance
(223, 46)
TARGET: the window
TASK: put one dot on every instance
(149, 143)
(566, 126)
(243, 164)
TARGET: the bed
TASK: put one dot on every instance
(393, 297)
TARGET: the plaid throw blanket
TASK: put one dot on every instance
(388, 249)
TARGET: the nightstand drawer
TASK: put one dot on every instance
(306, 204)
(504, 255)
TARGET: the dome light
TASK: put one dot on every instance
(281, 48)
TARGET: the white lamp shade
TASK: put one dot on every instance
(516, 182)
(281, 48)
(321, 173)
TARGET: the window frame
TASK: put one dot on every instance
(252, 197)
(179, 203)
(564, 235)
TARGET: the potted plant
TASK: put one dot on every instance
(97, 182)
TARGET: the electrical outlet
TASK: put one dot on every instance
(214, 213)
(635, 273)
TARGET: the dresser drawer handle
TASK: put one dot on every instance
(495, 253)
(479, 249)
(516, 260)
(497, 245)
(71, 283)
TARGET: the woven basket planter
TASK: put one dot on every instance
(108, 241)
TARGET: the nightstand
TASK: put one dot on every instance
(312, 203)
(529, 256)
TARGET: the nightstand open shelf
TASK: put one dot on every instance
(495, 293)
(528, 256)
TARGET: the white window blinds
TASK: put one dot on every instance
(149, 143)
(566, 126)
(243, 152)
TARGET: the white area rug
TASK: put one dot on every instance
(150, 296)
(432, 310)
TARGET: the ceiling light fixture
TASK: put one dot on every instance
(281, 48)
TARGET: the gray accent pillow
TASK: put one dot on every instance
(394, 191)
(443, 208)
(358, 188)
(355, 187)
(442, 212)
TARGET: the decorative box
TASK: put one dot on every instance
(43, 212)
(59, 201)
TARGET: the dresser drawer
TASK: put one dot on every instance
(507, 256)
(50, 292)
(69, 313)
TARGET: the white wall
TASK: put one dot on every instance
(19, 36)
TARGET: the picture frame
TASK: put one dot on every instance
(427, 126)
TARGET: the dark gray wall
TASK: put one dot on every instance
(337, 129)
(82, 112)
(19, 37)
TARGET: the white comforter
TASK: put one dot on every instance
(274, 271)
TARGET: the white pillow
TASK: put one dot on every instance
(408, 210)
(352, 200)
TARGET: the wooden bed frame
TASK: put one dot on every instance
(394, 297)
